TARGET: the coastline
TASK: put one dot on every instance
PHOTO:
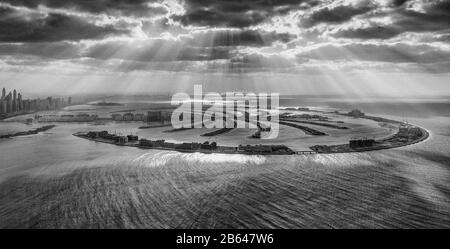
(29, 132)
(425, 136)
(220, 150)
(4, 118)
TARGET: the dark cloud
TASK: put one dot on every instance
(336, 14)
(397, 3)
(434, 17)
(236, 13)
(257, 62)
(115, 7)
(156, 50)
(201, 46)
(54, 50)
(16, 26)
(395, 53)
(222, 41)
(372, 32)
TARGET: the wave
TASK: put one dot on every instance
(163, 158)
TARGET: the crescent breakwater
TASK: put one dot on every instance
(406, 135)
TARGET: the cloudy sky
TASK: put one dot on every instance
(396, 47)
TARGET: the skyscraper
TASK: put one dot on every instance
(4, 93)
(2, 98)
(19, 103)
(2, 105)
(14, 101)
(9, 103)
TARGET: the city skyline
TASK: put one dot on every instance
(363, 47)
(14, 104)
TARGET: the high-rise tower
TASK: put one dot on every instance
(3, 103)
(9, 103)
(14, 101)
(19, 102)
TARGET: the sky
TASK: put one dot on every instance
(360, 47)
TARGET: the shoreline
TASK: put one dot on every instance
(390, 142)
(29, 132)
(4, 118)
(425, 136)
(219, 150)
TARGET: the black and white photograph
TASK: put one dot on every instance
(224, 114)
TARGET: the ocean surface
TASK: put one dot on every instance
(56, 180)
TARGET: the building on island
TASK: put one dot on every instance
(132, 138)
(361, 143)
(356, 113)
(128, 117)
(407, 131)
(154, 116)
(122, 139)
(81, 117)
(138, 117)
(117, 117)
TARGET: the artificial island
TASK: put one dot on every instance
(406, 134)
